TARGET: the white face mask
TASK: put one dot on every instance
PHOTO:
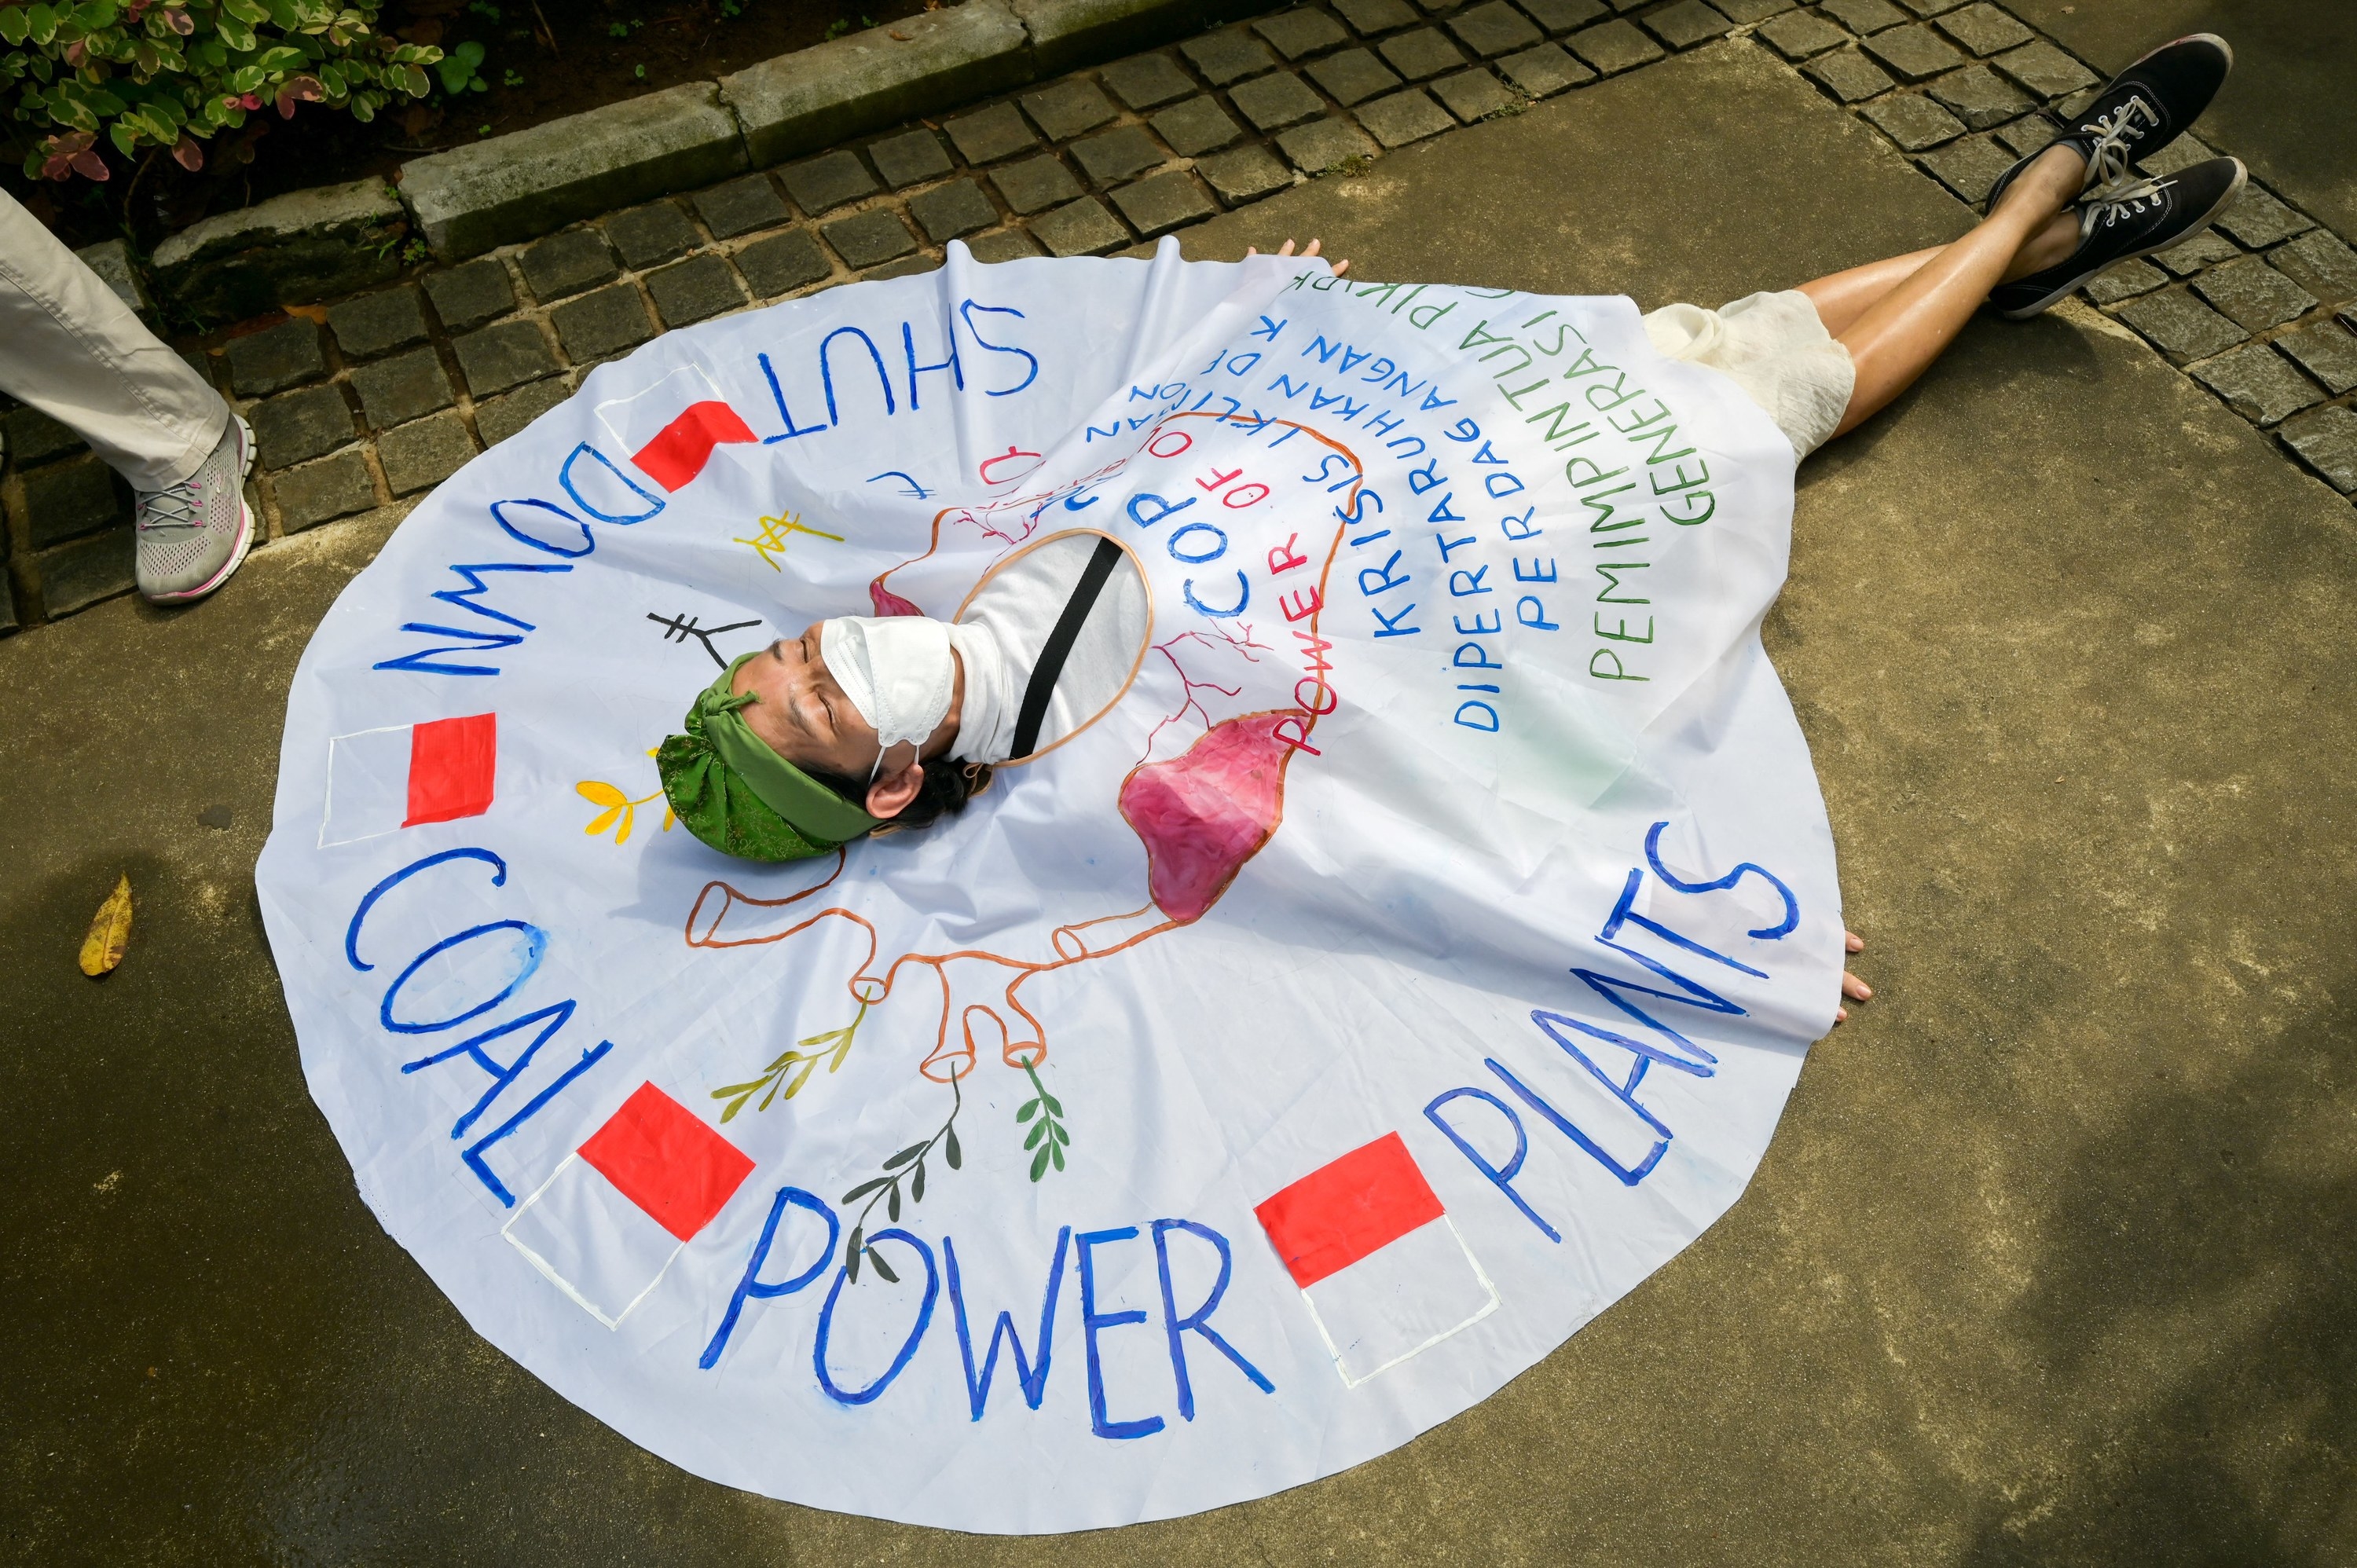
(898, 672)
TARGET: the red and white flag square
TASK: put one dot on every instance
(624, 1204)
(380, 780)
(1384, 1273)
(670, 429)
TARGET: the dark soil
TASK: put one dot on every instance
(541, 61)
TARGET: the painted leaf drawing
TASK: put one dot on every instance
(599, 793)
(102, 950)
(622, 811)
(786, 1076)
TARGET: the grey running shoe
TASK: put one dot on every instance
(192, 536)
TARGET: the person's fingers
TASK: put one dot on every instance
(1853, 988)
(1311, 249)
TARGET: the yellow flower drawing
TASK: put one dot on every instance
(620, 812)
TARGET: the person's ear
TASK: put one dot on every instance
(890, 795)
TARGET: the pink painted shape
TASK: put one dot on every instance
(888, 602)
(1205, 812)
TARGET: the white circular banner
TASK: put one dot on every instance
(1413, 955)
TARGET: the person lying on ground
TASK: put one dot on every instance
(863, 725)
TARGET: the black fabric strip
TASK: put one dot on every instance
(1058, 648)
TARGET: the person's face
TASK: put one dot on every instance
(803, 715)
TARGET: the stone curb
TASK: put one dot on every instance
(529, 182)
(308, 245)
(812, 99)
(807, 101)
(302, 246)
(1067, 34)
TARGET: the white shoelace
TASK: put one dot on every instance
(2128, 201)
(2107, 160)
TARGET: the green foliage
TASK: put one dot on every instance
(908, 1165)
(785, 1078)
(461, 69)
(172, 73)
(1049, 1134)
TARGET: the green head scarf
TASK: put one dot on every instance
(740, 797)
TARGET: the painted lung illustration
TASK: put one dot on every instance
(1209, 810)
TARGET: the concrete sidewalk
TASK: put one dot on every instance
(2050, 1261)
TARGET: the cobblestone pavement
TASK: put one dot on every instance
(370, 400)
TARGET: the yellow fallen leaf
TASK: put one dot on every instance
(102, 949)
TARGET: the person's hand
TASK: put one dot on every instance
(1853, 988)
(1309, 250)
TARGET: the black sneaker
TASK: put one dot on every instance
(2132, 221)
(2144, 109)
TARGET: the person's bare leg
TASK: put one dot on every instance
(1842, 298)
(1896, 338)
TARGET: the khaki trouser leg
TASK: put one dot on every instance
(74, 350)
